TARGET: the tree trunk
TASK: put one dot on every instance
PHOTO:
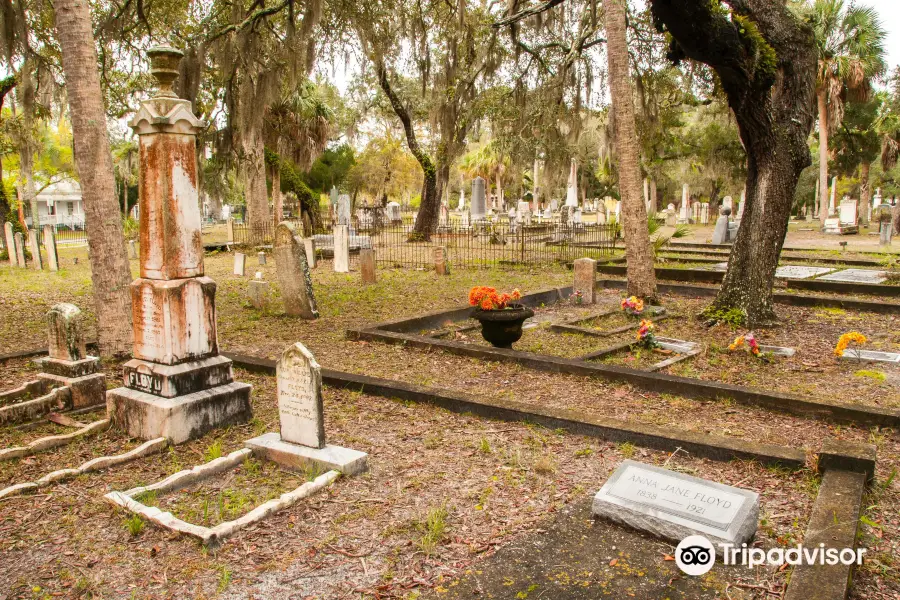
(713, 209)
(638, 251)
(277, 199)
(822, 101)
(110, 272)
(769, 80)
(654, 206)
(429, 209)
(259, 220)
(865, 193)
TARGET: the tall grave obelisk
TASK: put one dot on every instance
(176, 385)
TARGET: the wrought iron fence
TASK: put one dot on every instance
(479, 244)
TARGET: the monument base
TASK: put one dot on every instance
(293, 456)
(89, 390)
(170, 381)
(68, 368)
(182, 418)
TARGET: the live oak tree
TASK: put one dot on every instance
(110, 272)
(764, 56)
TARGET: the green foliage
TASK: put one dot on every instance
(330, 169)
(134, 525)
(214, 451)
(766, 58)
(131, 228)
(433, 529)
(733, 317)
(874, 375)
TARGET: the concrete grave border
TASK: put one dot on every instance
(96, 464)
(212, 536)
(398, 332)
(629, 345)
(572, 325)
(53, 441)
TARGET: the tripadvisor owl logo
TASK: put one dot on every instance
(695, 555)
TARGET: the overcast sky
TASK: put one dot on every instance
(890, 18)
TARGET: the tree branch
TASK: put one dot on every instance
(529, 12)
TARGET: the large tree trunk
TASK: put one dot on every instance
(769, 79)
(822, 101)
(654, 205)
(638, 252)
(429, 209)
(110, 271)
(865, 193)
(259, 220)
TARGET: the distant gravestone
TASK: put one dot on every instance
(132, 247)
(341, 249)
(300, 410)
(34, 245)
(367, 265)
(704, 214)
(10, 243)
(309, 245)
(293, 273)
(478, 207)
(50, 246)
(257, 293)
(441, 265)
(673, 505)
(585, 279)
(343, 210)
(261, 258)
(20, 249)
(393, 212)
(720, 233)
(240, 263)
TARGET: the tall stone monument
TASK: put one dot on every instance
(176, 385)
(572, 187)
(478, 207)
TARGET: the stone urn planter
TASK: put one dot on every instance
(502, 327)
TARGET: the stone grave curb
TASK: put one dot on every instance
(657, 382)
(702, 245)
(834, 520)
(615, 430)
(716, 256)
(700, 276)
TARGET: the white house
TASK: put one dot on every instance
(60, 204)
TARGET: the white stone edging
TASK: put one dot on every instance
(54, 441)
(57, 398)
(212, 535)
(97, 464)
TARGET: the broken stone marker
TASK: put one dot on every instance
(20, 249)
(68, 363)
(585, 279)
(673, 505)
(293, 273)
(441, 265)
(257, 293)
(50, 245)
(302, 440)
(309, 244)
(240, 262)
(34, 246)
(177, 386)
(367, 265)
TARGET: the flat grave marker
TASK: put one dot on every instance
(873, 355)
(673, 505)
(800, 272)
(856, 276)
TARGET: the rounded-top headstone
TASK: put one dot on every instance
(299, 381)
(64, 328)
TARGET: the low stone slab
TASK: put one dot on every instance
(293, 456)
(856, 276)
(679, 346)
(778, 350)
(799, 272)
(872, 355)
(673, 505)
(182, 418)
(89, 390)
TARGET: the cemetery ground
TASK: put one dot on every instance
(445, 491)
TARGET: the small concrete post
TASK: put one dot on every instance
(20, 249)
(261, 258)
(240, 261)
(341, 249)
(50, 245)
(367, 265)
(34, 245)
(441, 265)
(585, 279)
(258, 293)
(229, 228)
(10, 243)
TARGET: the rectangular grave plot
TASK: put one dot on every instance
(871, 355)
(855, 276)
(214, 500)
(630, 355)
(610, 322)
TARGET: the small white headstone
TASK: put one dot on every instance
(300, 398)
(240, 261)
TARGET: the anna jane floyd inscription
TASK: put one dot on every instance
(300, 398)
(673, 505)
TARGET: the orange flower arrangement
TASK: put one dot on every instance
(487, 298)
(749, 339)
(633, 305)
(645, 335)
(845, 340)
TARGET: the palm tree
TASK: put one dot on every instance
(489, 162)
(110, 273)
(297, 127)
(850, 50)
(638, 251)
